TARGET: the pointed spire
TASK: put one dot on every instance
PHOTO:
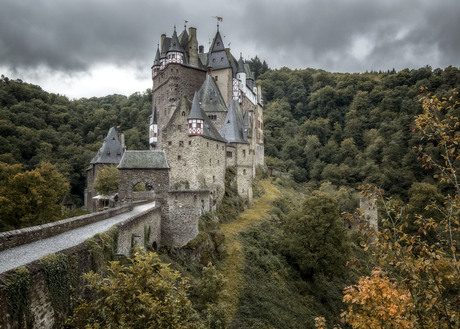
(196, 112)
(175, 44)
(111, 150)
(232, 129)
(217, 43)
(240, 64)
(157, 56)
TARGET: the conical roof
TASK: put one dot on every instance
(232, 129)
(240, 65)
(156, 62)
(217, 44)
(111, 150)
(210, 98)
(196, 112)
(175, 44)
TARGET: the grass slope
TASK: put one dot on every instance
(233, 266)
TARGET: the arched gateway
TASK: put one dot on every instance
(148, 167)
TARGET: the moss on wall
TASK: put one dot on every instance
(17, 288)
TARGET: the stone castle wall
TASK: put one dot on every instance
(169, 85)
(224, 80)
(185, 209)
(142, 230)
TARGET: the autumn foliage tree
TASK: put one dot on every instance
(30, 197)
(422, 274)
(143, 294)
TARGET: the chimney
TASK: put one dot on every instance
(192, 47)
(122, 141)
(163, 36)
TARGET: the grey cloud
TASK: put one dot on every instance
(74, 36)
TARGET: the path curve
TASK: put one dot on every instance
(233, 266)
(25, 254)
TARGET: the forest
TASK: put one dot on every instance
(390, 134)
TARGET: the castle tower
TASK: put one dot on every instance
(156, 63)
(174, 54)
(195, 119)
(241, 75)
(223, 66)
(110, 153)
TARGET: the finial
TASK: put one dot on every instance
(185, 24)
(174, 27)
(219, 19)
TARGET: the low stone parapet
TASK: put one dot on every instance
(19, 237)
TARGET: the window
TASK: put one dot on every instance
(207, 144)
(244, 153)
(169, 143)
(216, 77)
(179, 157)
(181, 143)
(212, 117)
(217, 146)
(189, 142)
(198, 124)
(244, 171)
(183, 113)
(179, 127)
(229, 154)
(213, 179)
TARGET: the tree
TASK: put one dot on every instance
(142, 294)
(314, 239)
(426, 268)
(30, 197)
(378, 302)
(107, 180)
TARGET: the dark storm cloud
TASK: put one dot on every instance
(72, 35)
(322, 33)
(336, 35)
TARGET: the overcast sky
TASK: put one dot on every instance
(85, 48)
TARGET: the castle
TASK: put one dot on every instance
(207, 115)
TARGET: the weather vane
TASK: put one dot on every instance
(219, 19)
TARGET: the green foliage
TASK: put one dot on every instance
(37, 126)
(314, 238)
(17, 288)
(56, 268)
(145, 293)
(103, 248)
(107, 180)
(231, 204)
(348, 129)
(30, 197)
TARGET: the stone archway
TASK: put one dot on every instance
(149, 167)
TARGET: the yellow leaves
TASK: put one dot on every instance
(378, 295)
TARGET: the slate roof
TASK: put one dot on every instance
(144, 160)
(241, 65)
(210, 97)
(233, 128)
(175, 44)
(165, 47)
(196, 112)
(110, 151)
(157, 57)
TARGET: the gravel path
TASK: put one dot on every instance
(22, 255)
